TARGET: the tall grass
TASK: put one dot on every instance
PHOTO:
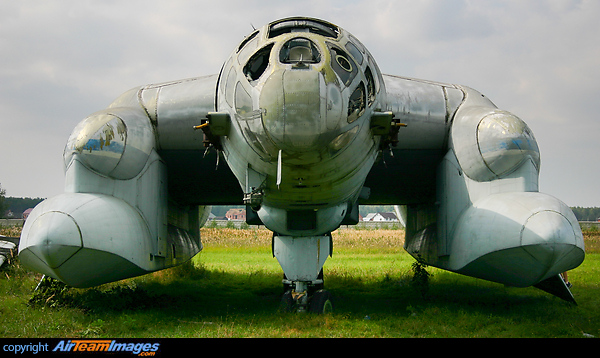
(233, 288)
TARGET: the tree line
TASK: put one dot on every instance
(586, 214)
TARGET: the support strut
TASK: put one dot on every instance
(302, 260)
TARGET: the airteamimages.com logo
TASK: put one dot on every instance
(142, 349)
(100, 345)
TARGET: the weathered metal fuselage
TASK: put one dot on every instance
(300, 95)
(301, 114)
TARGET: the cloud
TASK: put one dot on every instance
(62, 60)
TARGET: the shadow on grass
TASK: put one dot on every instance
(194, 302)
(192, 291)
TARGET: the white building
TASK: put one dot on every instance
(380, 217)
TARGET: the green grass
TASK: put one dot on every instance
(233, 288)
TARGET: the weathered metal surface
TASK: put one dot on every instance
(301, 126)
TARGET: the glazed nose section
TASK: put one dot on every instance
(51, 240)
(291, 101)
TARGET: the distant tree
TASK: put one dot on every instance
(221, 210)
(2, 206)
(19, 205)
(586, 214)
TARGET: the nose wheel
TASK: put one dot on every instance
(302, 260)
(306, 296)
(320, 302)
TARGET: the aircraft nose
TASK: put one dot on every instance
(51, 240)
(291, 100)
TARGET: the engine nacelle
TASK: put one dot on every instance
(115, 142)
(489, 219)
(490, 143)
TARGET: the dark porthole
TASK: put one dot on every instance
(258, 63)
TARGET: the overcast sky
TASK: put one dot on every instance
(63, 60)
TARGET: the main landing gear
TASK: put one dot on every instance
(302, 260)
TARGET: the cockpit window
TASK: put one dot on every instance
(243, 102)
(343, 65)
(354, 52)
(247, 39)
(303, 25)
(247, 51)
(258, 63)
(356, 105)
(371, 89)
(299, 50)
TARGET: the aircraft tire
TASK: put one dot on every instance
(321, 302)
(287, 303)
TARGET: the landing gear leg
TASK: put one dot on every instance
(302, 260)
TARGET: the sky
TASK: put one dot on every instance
(61, 60)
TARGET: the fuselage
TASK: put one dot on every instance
(300, 94)
(300, 112)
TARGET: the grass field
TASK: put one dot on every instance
(233, 288)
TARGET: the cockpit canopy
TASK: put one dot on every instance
(273, 67)
(299, 50)
(314, 26)
(346, 55)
